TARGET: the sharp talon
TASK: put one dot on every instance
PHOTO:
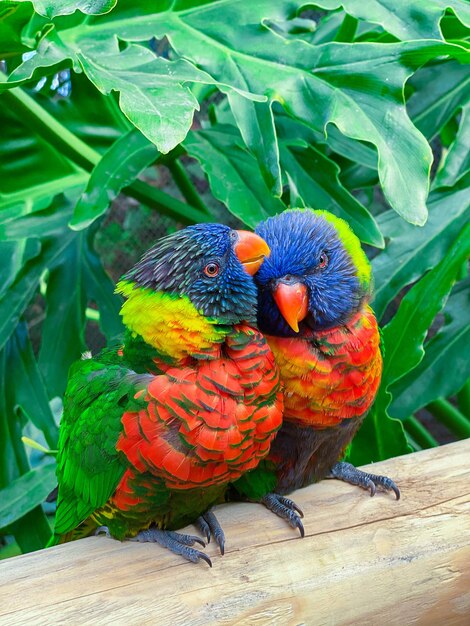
(204, 557)
(200, 541)
(285, 508)
(372, 482)
(209, 524)
(178, 543)
(301, 528)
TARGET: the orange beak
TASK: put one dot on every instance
(251, 250)
(292, 301)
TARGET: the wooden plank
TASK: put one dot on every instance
(363, 561)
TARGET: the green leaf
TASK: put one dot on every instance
(62, 331)
(100, 289)
(256, 123)
(15, 299)
(439, 91)
(457, 161)
(406, 19)
(380, 437)
(53, 8)
(233, 173)
(31, 168)
(119, 167)
(151, 93)
(25, 493)
(404, 335)
(14, 254)
(445, 366)
(358, 88)
(27, 389)
(13, 17)
(315, 178)
(31, 531)
(411, 251)
(48, 222)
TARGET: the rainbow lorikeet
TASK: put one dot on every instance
(154, 429)
(313, 307)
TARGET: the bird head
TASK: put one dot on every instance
(209, 264)
(316, 277)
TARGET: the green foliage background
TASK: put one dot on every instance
(333, 106)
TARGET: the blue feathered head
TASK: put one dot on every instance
(316, 277)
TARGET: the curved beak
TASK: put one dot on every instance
(292, 301)
(251, 250)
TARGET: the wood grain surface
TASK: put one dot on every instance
(363, 561)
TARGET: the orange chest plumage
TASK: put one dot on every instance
(333, 375)
(205, 422)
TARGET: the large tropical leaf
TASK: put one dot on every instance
(412, 251)
(434, 378)
(27, 391)
(233, 174)
(51, 9)
(25, 493)
(406, 19)
(333, 83)
(119, 167)
(457, 160)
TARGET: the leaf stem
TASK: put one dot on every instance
(450, 416)
(419, 433)
(185, 184)
(347, 30)
(37, 119)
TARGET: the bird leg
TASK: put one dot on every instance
(285, 508)
(209, 525)
(372, 482)
(176, 542)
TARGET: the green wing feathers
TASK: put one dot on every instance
(89, 467)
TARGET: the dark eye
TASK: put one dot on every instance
(288, 278)
(211, 270)
(323, 261)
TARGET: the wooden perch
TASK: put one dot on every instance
(363, 561)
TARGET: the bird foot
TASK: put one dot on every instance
(372, 482)
(285, 508)
(102, 530)
(176, 542)
(209, 525)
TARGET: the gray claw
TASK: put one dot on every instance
(372, 482)
(210, 527)
(176, 542)
(285, 508)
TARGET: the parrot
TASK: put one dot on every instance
(156, 426)
(313, 308)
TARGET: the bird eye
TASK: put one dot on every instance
(288, 278)
(211, 270)
(323, 261)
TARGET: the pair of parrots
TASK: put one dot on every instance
(248, 363)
